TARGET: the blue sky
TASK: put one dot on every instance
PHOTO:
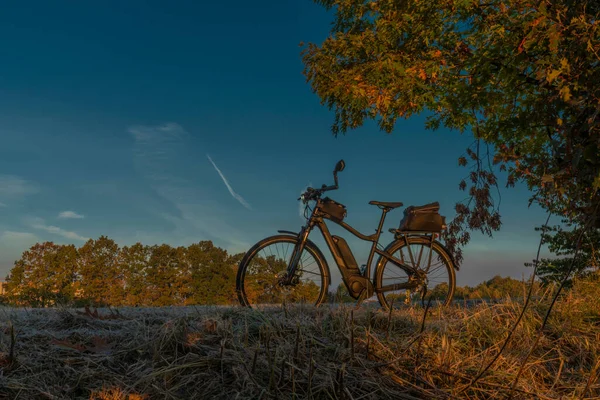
(125, 119)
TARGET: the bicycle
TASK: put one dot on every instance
(273, 278)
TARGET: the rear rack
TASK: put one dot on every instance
(399, 231)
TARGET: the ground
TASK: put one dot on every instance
(301, 352)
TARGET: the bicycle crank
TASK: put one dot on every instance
(419, 279)
(358, 284)
(421, 282)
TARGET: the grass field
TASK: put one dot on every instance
(303, 352)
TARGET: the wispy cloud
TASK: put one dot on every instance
(234, 194)
(13, 237)
(14, 186)
(39, 224)
(161, 156)
(70, 215)
(3, 205)
(168, 131)
(158, 151)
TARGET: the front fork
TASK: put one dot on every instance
(296, 254)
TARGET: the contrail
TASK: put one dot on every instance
(234, 194)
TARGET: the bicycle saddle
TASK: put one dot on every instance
(385, 204)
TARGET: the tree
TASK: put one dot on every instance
(439, 292)
(495, 288)
(134, 263)
(563, 243)
(522, 75)
(17, 290)
(162, 278)
(63, 262)
(44, 275)
(212, 279)
(100, 273)
(100, 279)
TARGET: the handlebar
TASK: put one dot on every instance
(315, 194)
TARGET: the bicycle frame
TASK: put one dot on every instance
(317, 219)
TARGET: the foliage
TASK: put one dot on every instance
(522, 75)
(261, 283)
(562, 242)
(163, 283)
(100, 273)
(212, 274)
(341, 295)
(439, 292)
(495, 288)
(44, 275)
(162, 275)
(134, 261)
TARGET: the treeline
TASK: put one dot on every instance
(101, 273)
(496, 288)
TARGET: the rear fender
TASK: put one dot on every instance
(456, 267)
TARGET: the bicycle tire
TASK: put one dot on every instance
(242, 278)
(399, 244)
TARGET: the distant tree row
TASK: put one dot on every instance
(496, 288)
(101, 273)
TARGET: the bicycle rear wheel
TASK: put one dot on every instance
(257, 282)
(440, 279)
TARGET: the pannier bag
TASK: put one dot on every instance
(423, 218)
(335, 210)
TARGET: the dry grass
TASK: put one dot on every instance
(330, 352)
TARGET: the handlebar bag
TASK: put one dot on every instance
(333, 209)
(423, 219)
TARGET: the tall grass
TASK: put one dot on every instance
(302, 352)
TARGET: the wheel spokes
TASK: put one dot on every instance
(433, 280)
(262, 282)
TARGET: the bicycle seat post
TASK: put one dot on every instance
(385, 207)
(383, 214)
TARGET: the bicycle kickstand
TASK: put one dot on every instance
(360, 299)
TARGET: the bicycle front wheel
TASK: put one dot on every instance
(260, 270)
(440, 278)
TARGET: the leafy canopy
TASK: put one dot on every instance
(522, 75)
(101, 273)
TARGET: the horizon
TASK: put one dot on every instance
(173, 126)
